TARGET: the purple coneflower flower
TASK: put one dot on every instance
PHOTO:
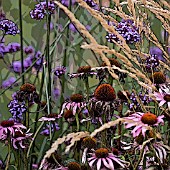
(20, 139)
(8, 128)
(102, 159)
(142, 121)
(163, 96)
(103, 100)
(9, 27)
(75, 103)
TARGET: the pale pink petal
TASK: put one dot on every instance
(99, 162)
(105, 163)
(110, 164)
(92, 162)
(162, 103)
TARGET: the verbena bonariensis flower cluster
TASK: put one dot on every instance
(70, 100)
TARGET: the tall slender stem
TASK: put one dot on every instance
(9, 156)
(21, 40)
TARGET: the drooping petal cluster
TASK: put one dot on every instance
(142, 121)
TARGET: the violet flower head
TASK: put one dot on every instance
(56, 93)
(29, 50)
(16, 65)
(67, 2)
(72, 28)
(21, 140)
(8, 82)
(151, 62)
(158, 52)
(17, 109)
(128, 30)
(28, 62)
(39, 63)
(2, 50)
(142, 122)
(9, 27)
(59, 71)
(46, 130)
(12, 47)
(8, 128)
(42, 9)
(91, 3)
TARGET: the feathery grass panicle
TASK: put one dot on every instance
(72, 137)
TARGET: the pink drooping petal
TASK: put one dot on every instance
(107, 165)
(110, 164)
(99, 163)
(92, 162)
(162, 103)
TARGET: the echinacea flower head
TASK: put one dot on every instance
(142, 122)
(105, 92)
(102, 158)
(163, 97)
(76, 103)
(20, 140)
(74, 166)
(89, 142)
(8, 27)
(83, 72)
(28, 88)
(8, 128)
(158, 78)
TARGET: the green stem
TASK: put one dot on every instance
(77, 121)
(9, 156)
(87, 87)
(21, 40)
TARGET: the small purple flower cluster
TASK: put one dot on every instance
(17, 109)
(67, 2)
(46, 130)
(151, 62)
(8, 82)
(2, 15)
(16, 65)
(59, 71)
(128, 30)
(42, 9)
(134, 99)
(91, 3)
(9, 27)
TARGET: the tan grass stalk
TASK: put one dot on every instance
(77, 137)
(131, 8)
(105, 25)
(73, 137)
(135, 73)
(110, 124)
(82, 29)
(166, 4)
